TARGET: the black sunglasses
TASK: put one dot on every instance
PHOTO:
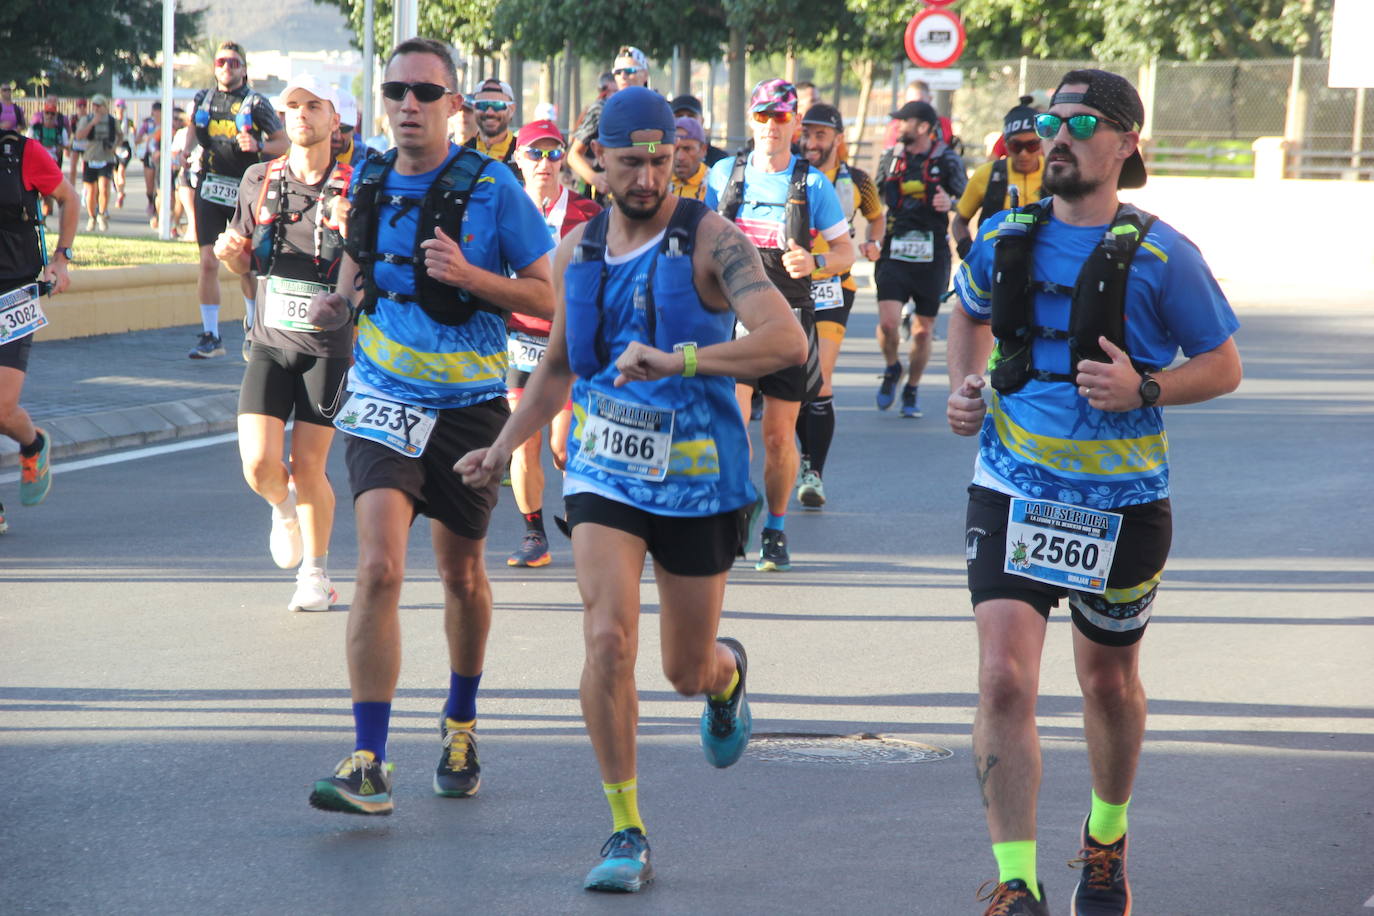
(424, 92)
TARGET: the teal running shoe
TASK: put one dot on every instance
(726, 725)
(624, 867)
(35, 474)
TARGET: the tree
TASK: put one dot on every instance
(89, 39)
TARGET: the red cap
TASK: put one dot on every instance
(538, 130)
(49, 106)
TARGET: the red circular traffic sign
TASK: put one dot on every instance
(934, 38)
(939, 2)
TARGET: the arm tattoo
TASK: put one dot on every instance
(983, 771)
(737, 265)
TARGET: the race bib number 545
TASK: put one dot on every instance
(1061, 544)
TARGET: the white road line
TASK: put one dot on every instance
(1369, 904)
(61, 466)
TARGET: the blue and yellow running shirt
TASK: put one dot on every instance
(1045, 440)
(404, 354)
(763, 212)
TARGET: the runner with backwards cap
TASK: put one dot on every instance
(657, 460)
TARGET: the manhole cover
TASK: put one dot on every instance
(864, 749)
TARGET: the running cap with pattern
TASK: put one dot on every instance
(538, 130)
(634, 109)
(500, 86)
(822, 114)
(1114, 96)
(773, 95)
(635, 55)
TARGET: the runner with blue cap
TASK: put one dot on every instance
(648, 293)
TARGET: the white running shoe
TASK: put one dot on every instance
(102, 222)
(314, 591)
(285, 540)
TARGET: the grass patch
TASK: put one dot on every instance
(121, 251)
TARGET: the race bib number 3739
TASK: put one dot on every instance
(1061, 544)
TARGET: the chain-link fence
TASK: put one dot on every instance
(1201, 117)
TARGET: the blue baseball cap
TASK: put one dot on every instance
(633, 109)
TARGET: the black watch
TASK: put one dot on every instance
(66, 252)
(820, 261)
(1149, 390)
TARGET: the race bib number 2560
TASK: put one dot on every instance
(1061, 544)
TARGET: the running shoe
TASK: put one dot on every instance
(811, 493)
(284, 541)
(726, 725)
(90, 224)
(624, 864)
(4, 525)
(459, 774)
(360, 785)
(207, 346)
(887, 391)
(102, 222)
(911, 407)
(35, 474)
(773, 555)
(1013, 898)
(533, 551)
(314, 591)
(1102, 888)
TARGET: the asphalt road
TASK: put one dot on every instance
(162, 715)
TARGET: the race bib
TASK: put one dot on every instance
(219, 189)
(97, 163)
(827, 293)
(401, 427)
(285, 303)
(21, 313)
(1061, 544)
(633, 440)
(525, 350)
(914, 247)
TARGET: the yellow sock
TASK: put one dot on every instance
(624, 800)
(1107, 822)
(1016, 859)
(729, 691)
(454, 725)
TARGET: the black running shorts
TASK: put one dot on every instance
(211, 220)
(278, 382)
(839, 315)
(795, 383)
(15, 354)
(1118, 616)
(683, 545)
(430, 481)
(923, 284)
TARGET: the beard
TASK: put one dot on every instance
(1063, 179)
(822, 154)
(640, 213)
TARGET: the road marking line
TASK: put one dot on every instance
(136, 454)
(1369, 904)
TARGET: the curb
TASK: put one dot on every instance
(84, 434)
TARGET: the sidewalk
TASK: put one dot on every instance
(113, 391)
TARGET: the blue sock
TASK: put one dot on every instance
(370, 721)
(776, 522)
(462, 697)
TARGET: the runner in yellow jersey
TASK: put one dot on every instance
(495, 104)
(1003, 183)
(689, 167)
(822, 142)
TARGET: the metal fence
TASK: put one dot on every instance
(1201, 117)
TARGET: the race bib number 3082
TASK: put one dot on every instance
(21, 313)
(1061, 544)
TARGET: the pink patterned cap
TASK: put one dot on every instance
(773, 95)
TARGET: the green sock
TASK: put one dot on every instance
(729, 691)
(1017, 860)
(1107, 822)
(624, 800)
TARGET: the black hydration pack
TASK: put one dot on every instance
(443, 205)
(995, 197)
(271, 217)
(1098, 296)
(21, 214)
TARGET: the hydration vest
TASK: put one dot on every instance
(269, 235)
(1098, 296)
(797, 220)
(848, 194)
(585, 280)
(995, 197)
(508, 159)
(21, 214)
(443, 205)
(222, 155)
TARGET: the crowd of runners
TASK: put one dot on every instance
(472, 287)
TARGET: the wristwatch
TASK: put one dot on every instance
(66, 252)
(1149, 390)
(820, 261)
